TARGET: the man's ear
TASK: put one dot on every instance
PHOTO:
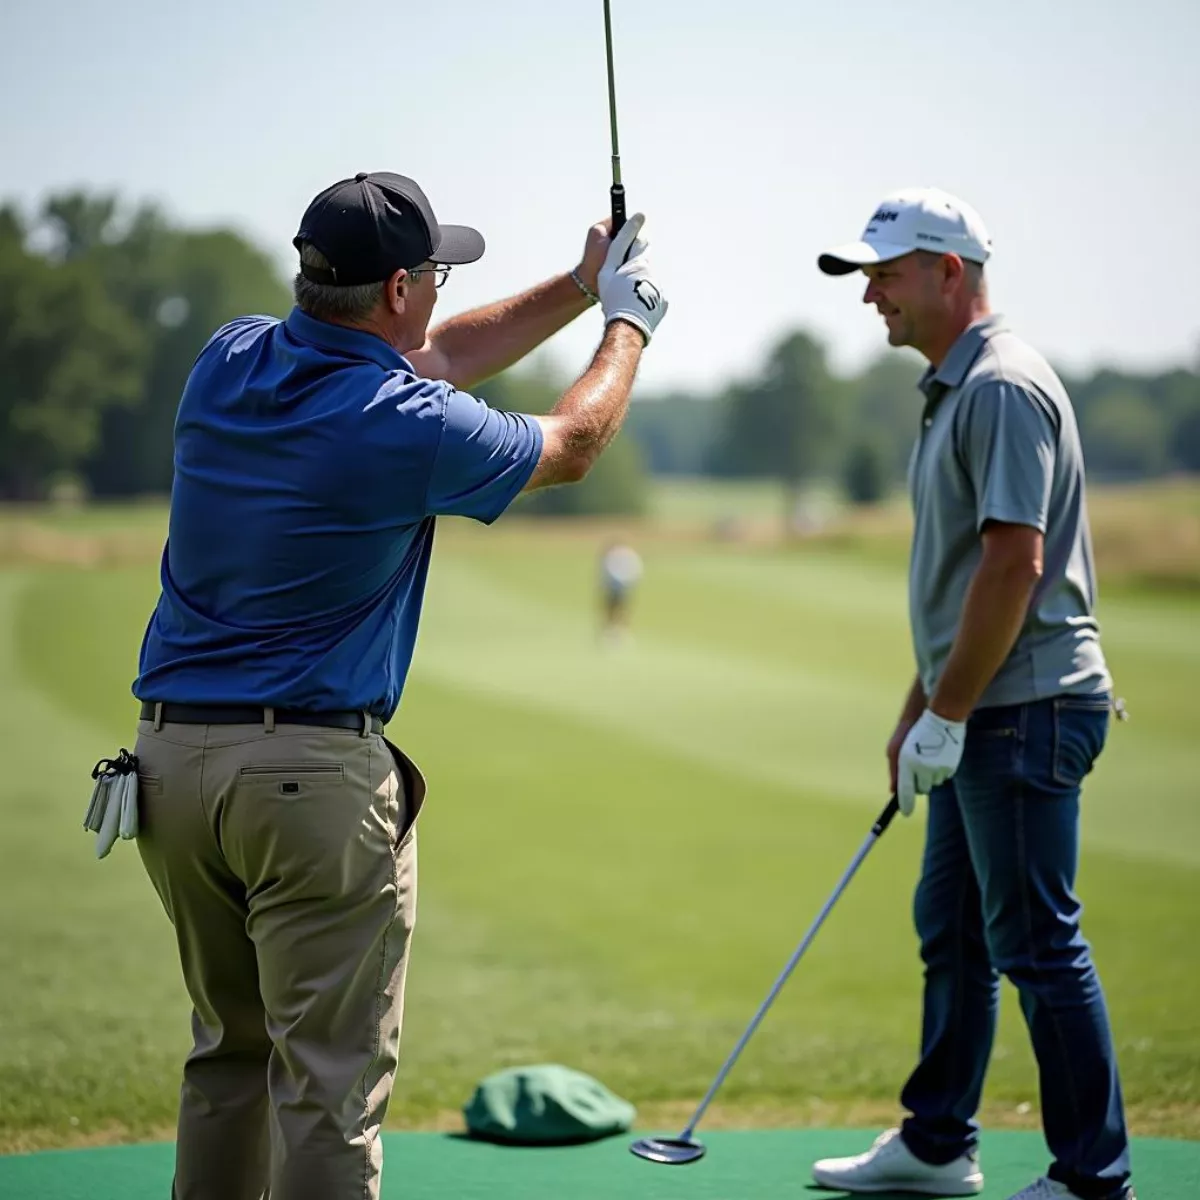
(396, 291)
(953, 270)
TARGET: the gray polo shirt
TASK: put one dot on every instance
(998, 442)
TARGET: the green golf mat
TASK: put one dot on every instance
(738, 1166)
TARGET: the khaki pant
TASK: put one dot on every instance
(287, 862)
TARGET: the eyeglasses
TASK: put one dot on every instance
(439, 274)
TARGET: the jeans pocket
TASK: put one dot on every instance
(995, 738)
(1002, 720)
(1080, 730)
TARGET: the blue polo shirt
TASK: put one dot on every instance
(310, 464)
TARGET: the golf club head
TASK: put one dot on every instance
(673, 1151)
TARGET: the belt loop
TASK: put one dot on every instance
(366, 729)
(158, 721)
(268, 719)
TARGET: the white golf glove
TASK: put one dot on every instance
(930, 755)
(627, 291)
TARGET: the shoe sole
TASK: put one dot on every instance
(972, 1188)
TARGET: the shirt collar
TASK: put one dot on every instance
(962, 354)
(341, 339)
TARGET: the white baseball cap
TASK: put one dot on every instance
(913, 219)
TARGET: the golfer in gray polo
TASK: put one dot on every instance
(1009, 711)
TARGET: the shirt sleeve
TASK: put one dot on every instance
(1009, 442)
(484, 459)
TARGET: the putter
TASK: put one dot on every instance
(617, 192)
(685, 1148)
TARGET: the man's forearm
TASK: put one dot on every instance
(485, 341)
(598, 402)
(591, 411)
(914, 703)
(992, 615)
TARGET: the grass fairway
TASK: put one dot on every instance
(620, 848)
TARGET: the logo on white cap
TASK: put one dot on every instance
(913, 219)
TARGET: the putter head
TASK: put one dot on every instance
(673, 1151)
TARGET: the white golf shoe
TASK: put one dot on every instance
(1051, 1189)
(889, 1166)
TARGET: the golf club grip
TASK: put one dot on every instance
(618, 207)
(885, 818)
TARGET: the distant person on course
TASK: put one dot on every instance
(620, 571)
(1009, 711)
(312, 458)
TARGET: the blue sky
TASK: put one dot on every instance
(752, 134)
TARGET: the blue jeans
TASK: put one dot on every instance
(996, 897)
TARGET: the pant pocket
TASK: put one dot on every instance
(995, 742)
(1080, 730)
(292, 779)
(414, 789)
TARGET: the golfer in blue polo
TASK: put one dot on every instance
(1008, 714)
(313, 457)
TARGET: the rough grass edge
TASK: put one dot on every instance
(1146, 535)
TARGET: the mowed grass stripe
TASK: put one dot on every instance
(589, 893)
(701, 702)
(93, 1015)
(590, 946)
(799, 691)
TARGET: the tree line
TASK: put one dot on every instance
(796, 421)
(102, 313)
(104, 307)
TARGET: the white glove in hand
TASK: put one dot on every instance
(930, 755)
(627, 291)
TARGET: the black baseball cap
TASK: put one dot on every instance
(377, 223)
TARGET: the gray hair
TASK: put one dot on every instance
(972, 271)
(328, 302)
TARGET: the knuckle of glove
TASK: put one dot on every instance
(636, 297)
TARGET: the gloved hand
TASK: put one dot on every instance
(930, 755)
(627, 290)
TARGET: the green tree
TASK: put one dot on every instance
(1185, 441)
(180, 287)
(786, 424)
(79, 224)
(674, 431)
(884, 400)
(99, 328)
(1181, 403)
(67, 354)
(865, 475)
(1124, 436)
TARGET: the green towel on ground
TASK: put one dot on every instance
(545, 1105)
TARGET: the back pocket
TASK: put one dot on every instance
(1080, 730)
(293, 779)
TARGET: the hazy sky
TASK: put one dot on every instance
(752, 134)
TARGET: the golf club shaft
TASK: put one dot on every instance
(881, 823)
(617, 192)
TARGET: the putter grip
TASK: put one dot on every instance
(618, 207)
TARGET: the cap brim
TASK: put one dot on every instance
(458, 244)
(841, 260)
